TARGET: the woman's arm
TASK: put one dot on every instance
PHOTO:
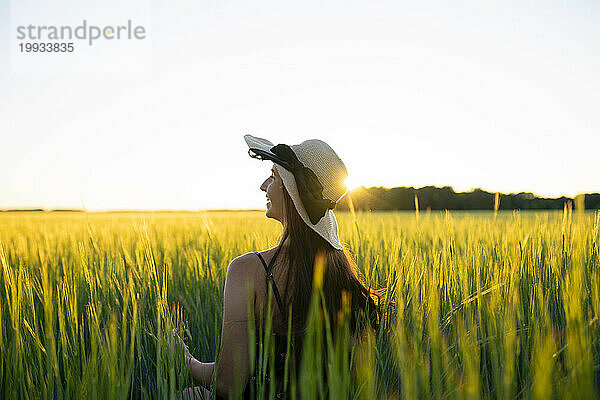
(201, 372)
(233, 368)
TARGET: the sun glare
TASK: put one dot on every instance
(351, 184)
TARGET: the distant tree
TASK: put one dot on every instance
(445, 198)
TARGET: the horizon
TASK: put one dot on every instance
(191, 210)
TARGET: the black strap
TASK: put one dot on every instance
(270, 277)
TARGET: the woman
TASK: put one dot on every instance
(306, 183)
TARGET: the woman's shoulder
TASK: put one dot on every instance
(248, 266)
(251, 259)
(243, 264)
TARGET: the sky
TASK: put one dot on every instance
(501, 95)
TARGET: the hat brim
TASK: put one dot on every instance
(258, 143)
(327, 226)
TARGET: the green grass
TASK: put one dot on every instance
(486, 307)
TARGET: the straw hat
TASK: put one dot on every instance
(313, 176)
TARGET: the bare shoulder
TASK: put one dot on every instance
(245, 261)
(249, 267)
(239, 290)
(244, 267)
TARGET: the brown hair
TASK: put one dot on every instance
(340, 274)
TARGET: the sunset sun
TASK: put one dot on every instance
(351, 183)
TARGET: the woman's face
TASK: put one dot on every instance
(273, 187)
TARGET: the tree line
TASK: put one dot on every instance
(445, 198)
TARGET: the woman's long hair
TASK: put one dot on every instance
(340, 274)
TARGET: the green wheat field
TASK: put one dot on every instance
(479, 305)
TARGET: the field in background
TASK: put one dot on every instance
(486, 307)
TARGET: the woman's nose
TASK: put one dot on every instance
(263, 187)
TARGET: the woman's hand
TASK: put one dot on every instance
(200, 372)
(179, 342)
